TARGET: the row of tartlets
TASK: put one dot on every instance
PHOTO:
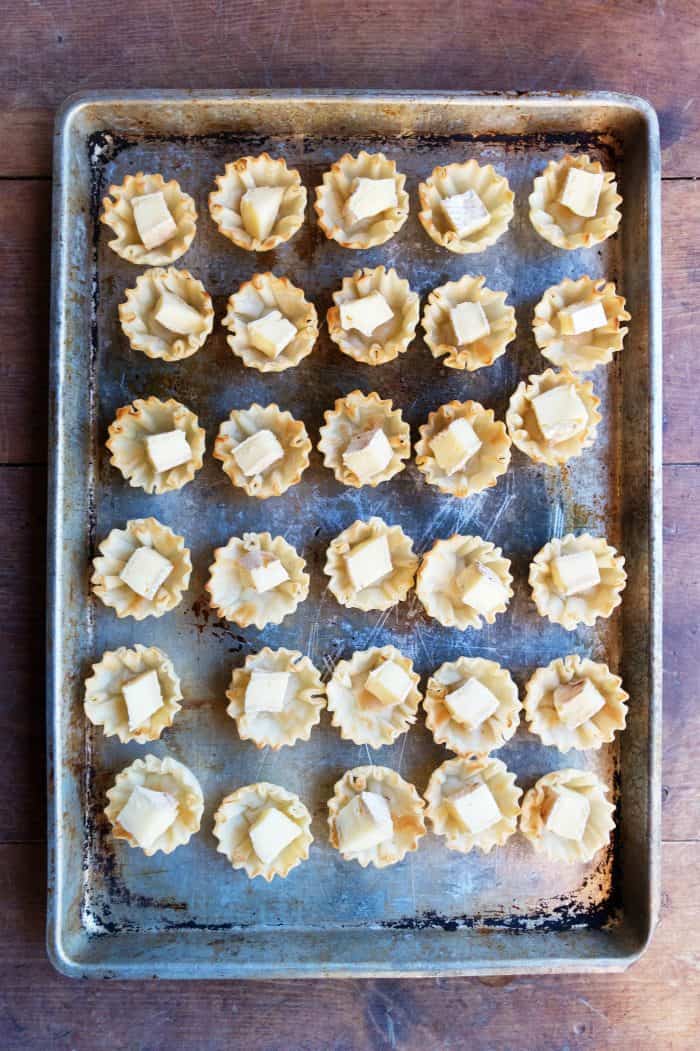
(258, 203)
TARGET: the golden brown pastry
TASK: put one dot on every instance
(574, 203)
(154, 220)
(465, 207)
(463, 448)
(464, 581)
(375, 316)
(467, 325)
(473, 802)
(577, 579)
(374, 696)
(364, 440)
(263, 450)
(375, 817)
(258, 202)
(371, 565)
(553, 417)
(263, 829)
(257, 579)
(567, 816)
(361, 201)
(578, 324)
(271, 324)
(168, 314)
(158, 446)
(471, 705)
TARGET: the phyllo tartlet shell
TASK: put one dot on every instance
(494, 731)
(234, 600)
(235, 815)
(583, 352)
(558, 224)
(160, 775)
(439, 334)
(436, 580)
(388, 340)
(350, 417)
(406, 808)
(104, 703)
(522, 424)
(335, 189)
(257, 298)
(142, 330)
(127, 443)
(599, 601)
(600, 822)
(492, 188)
(290, 433)
(247, 173)
(385, 593)
(484, 468)
(454, 774)
(119, 216)
(360, 716)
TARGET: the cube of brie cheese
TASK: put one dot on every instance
(176, 315)
(582, 317)
(465, 212)
(364, 822)
(471, 703)
(147, 815)
(389, 683)
(259, 210)
(271, 334)
(369, 197)
(365, 314)
(167, 450)
(369, 562)
(143, 697)
(574, 574)
(263, 569)
(146, 571)
(469, 323)
(566, 813)
(480, 588)
(258, 452)
(153, 219)
(475, 807)
(271, 833)
(560, 413)
(266, 690)
(454, 446)
(368, 454)
(581, 192)
(576, 702)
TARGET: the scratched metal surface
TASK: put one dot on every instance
(194, 890)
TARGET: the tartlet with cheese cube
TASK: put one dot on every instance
(371, 565)
(263, 829)
(271, 324)
(464, 581)
(263, 450)
(154, 220)
(375, 316)
(463, 448)
(133, 694)
(364, 440)
(142, 570)
(375, 817)
(576, 579)
(258, 202)
(361, 201)
(575, 703)
(157, 445)
(374, 696)
(256, 579)
(567, 816)
(276, 698)
(579, 324)
(574, 203)
(553, 417)
(168, 314)
(465, 207)
(468, 325)
(471, 705)
(155, 804)
(474, 803)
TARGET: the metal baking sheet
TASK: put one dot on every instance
(114, 912)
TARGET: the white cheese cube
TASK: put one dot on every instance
(368, 454)
(566, 813)
(581, 191)
(465, 212)
(576, 702)
(560, 413)
(168, 450)
(364, 822)
(389, 683)
(259, 210)
(582, 317)
(145, 572)
(369, 562)
(471, 703)
(370, 197)
(271, 833)
(147, 815)
(153, 220)
(263, 569)
(176, 315)
(365, 314)
(481, 588)
(258, 452)
(475, 807)
(469, 323)
(454, 446)
(574, 574)
(143, 697)
(266, 691)
(271, 334)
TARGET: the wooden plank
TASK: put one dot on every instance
(654, 1005)
(54, 50)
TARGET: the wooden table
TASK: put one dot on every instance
(53, 48)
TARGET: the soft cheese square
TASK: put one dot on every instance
(143, 697)
(365, 314)
(581, 192)
(370, 197)
(368, 562)
(567, 813)
(368, 454)
(271, 833)
(576, 573)
(153, 219)
(271, 334)
(259, 210)
(389, 683)
(146, 571)
(560, 413)
(471, 703)
(454, 446)
(465, 212)
(147, 815)
(364, 822)
(167, 450)
(258, 452)
(576, 702)
(475, 807)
